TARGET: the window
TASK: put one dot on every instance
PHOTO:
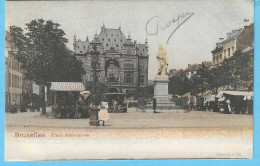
(220, 58)
(225, 54)
(10, 79)
(112, 63)
(97, 64)
(128, 78)
(141, 79)
(129, 64)
(228, 52)
(141, 65)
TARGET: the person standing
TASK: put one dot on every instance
(103, 113)
(195, 103)
(228, 106)
(154, 105)
(188, 104)
(114, 106)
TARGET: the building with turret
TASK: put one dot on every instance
(122, 64)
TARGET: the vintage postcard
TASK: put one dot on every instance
(104, 80)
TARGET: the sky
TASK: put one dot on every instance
(192, 40)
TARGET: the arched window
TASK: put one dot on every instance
(129, 78)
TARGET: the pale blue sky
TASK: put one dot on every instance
(191, 43)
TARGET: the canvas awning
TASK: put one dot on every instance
(67, 86)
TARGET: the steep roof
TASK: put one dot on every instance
(231, 35)
(207, 64)
(176, 73)
(111, 38)
(81, 47)
(142, 50)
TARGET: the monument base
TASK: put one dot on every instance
(163, 101)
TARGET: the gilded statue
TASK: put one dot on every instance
(162, 62)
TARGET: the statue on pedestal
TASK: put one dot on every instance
(162, 62)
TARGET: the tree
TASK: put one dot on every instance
(101, 89)
(44, 56)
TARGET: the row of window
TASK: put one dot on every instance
(217, 59)
(13, 64)
(127, 64)
(227, 52)
(13, 98)
(128, 78)
(15, 81)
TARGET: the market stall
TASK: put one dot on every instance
(240, 101)
(65, 98)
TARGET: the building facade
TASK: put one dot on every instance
(13, 74)
(122, 64)
(236, 40)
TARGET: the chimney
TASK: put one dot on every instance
(189, 65)
(219, 41)
(246, 22)
(228, 35)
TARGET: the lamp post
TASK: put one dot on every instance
(94, 108)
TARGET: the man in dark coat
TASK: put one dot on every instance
(154, 105)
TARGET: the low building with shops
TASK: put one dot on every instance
(17, 87)
(122, 63)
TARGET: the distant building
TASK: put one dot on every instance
(122, 64)
(206, 64)
(236, 40)
(191, 70)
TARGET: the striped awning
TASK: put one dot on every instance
(67, 86)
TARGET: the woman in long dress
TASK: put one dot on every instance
(103, 113)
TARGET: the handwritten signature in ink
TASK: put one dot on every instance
(155, 24)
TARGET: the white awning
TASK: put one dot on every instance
(67, 86)
(239, 93)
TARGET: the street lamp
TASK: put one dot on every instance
(94, 108)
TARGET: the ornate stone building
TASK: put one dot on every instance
(122, 64)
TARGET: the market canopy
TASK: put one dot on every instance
(67, 86)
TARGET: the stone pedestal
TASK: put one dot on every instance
(93, 121)
(161, 89)
(163, 101)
